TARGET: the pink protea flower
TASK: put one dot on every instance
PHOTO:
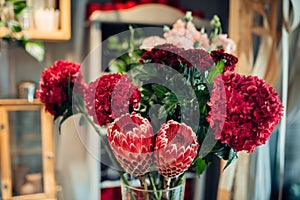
(175, 148)
(110, 96)
(131, 138)
(54, 83)
(244, 110)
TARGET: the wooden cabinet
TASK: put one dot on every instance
(63, 32)
(26, 150)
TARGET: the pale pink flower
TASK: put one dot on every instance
(179, 27)
(192, 30)
(204, 41)
(181, 41)
(227, 44)
(150, 42)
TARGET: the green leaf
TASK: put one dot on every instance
(35, 49)
(19, 6)
(172, 98)
(200, 165)
(231, 157)
(170, 108)
(160, 91)
(60, 110)
(70, 91)
(222, 151)
(7, 37)
(82, 120)
(140, 74)
(215, 71)
(225, 152)
(65, 116)
(14, 26)
(162, 113)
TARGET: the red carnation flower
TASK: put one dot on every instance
(110, 96)
(173, 56)
(220, 54)
(167, 54)
(244, 110)
(175, 148)
(53, 91)
(131, 138)
(198, 58)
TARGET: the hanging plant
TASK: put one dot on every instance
(10, 10)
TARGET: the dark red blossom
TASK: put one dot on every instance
(244, 110)
(110, 96)
(167, 54)
(197, 57)
(220, 54)
(54, 91)
(172, 56)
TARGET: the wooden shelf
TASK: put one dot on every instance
(64, 31)
(19, 102)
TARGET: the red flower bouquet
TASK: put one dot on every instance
(57, 86)
(159, 112)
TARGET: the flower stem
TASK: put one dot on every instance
(144, 185)
(153, 186)
(180, 179)
(166, 183)
(166, 187)
(106, 145)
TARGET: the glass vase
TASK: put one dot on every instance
(134, 192)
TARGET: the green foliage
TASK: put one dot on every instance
(217, 26)
(19, 6)
(130, 59)
(215, 71)
(225, 152)
(201, 165)
(14, 26)
(35, 48)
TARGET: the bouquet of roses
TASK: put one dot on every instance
(175, 109)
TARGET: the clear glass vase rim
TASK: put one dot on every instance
(161, 190)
